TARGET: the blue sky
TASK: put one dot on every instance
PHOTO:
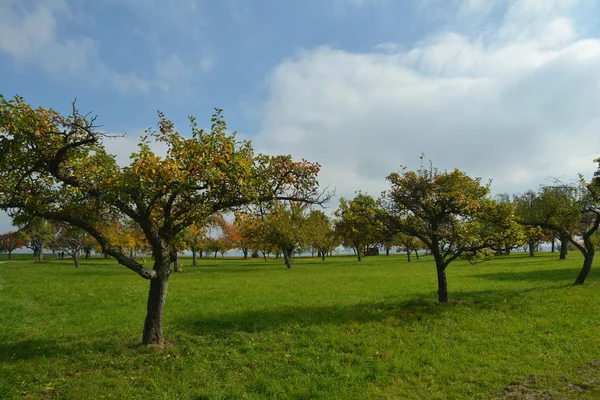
(503, 89)
(183, 57)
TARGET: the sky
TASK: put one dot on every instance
(506, 90)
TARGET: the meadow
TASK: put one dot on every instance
(515, 327)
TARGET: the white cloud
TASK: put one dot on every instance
(30, 34)
(516, 105)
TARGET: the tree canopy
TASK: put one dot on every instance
(451, 213)
(56, 167)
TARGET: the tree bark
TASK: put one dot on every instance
(442, 284)
(531, 246)
(564, 246)
(322, 256)
(408, 254)
(9, 254)
(245, 251)
(76, 259)
(417, 254)
(194, 258)
(153, 332)
(287, 258)
(387, 251)
(587, 266)
(357, 249)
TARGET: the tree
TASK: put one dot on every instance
(71, 240)
(408, 244)
(285, 224)
(194, 237)
(321, 233)
(358, 222)
(243, 226)
(56, 167)
(450, 213)
(11, 241)
(37, 231)
(556, 208)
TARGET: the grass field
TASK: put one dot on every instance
(515, 327)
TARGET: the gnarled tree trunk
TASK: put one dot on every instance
(587, 266)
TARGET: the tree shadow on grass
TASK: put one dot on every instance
(71, 348)
(400, 313)
(553, 275)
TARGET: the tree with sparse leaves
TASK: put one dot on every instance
(56, 167)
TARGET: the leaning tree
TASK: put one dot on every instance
(56, 167)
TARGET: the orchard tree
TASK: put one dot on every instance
(71, 240)
(37, 231)
(408, 243)
(358, 222)
(451, 213)
(286, 227)
(194, 237)
(243, 226)
(56, 167)
(11, 241)
(556, 208)
(321, 233)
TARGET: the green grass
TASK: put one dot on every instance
(515, 327)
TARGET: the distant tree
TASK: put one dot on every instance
(56, 167)
(286, 227)
(321, 233)
(194, 237)
(358, 222)
(450, 213)
(38, 232)
(70, 240)
(408, 244)
(244, 231)
(11, 241)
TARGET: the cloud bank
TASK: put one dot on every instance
(517, 103)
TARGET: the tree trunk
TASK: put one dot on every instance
(552, 249)
(245, 251)
(175, 260)
(417, 254)
(76, 259)
(387, 251)
(286, 256)
(41, 254)
(531, 246)
(9, 254)
(153, 332)
(587, 266)
(564, 246)
(442, 284)
(357, 250)
(194, 258)
(322, 256)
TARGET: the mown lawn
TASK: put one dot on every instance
(515, 328)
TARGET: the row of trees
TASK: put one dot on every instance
(55, 168)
